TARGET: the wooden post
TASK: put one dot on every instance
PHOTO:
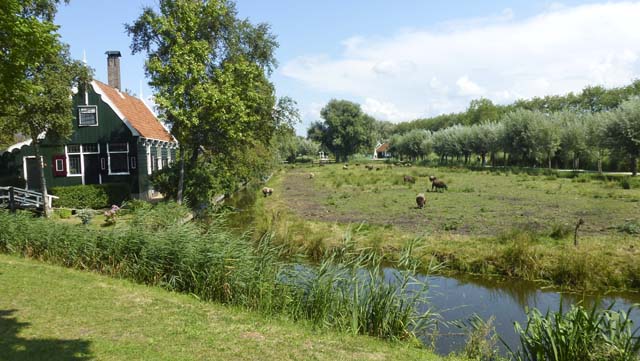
(12, 205)
(575, 235)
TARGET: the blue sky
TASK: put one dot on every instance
(407, 58)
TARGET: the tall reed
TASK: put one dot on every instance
(348, 290)
(579, 334)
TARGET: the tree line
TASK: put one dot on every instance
(595, 128)
(561, 139)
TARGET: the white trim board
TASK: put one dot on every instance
(105, 98)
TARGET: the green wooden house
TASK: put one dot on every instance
(116, 139)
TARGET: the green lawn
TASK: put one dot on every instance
(54, 313)
(486, 222)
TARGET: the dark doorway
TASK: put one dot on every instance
(33, 175)
(91, 169)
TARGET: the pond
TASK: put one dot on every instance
(457, 298)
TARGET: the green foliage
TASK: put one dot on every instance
(94, 196)
(622, 132)
(560, 230)
(344, 130)
(579, 334)
(85, 215)
(210, 73)
(347, 291)
(482, 339)
(629, 227)
(63, 213)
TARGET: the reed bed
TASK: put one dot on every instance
(581, 333)
(347, 290)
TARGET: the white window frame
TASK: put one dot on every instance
(159, 156)
(109, 152)
(67, 154)
(81, 154)
(61, 168)
(95, 107)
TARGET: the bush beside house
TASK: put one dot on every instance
(91, 196)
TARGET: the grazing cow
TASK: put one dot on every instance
(409, 179)
(421, 200)
(438, 184)
(266, 191)
(378, 168)
(311, 175)
(369, 167)
(345, 166)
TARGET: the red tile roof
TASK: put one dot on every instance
(382, 148)
(135, 113)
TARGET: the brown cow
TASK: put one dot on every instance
(409, 179)
(438, 184)
(421, 200)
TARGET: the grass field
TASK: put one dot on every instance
(505, 223)
(54, 313)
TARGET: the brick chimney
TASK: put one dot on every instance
(113, 68)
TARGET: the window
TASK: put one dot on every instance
(154, 163)
(59, 165)
(118, 158)
(74, 155)
(87, 115)
(133, 162)
(74, 164)
(90, 148)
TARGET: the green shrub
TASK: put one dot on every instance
(91, 196)
(63, 213)
(579, 334)
(629, 227)
(625, 183)
(560, 231)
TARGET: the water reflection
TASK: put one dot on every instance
(506, 301)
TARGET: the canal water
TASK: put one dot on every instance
(457, 298)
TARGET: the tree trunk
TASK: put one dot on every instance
(634, 166)
(549, 160)
(181, 178)
(600, 165)
(484, 159)
(43, 182)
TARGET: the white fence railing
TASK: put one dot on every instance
(18, 197)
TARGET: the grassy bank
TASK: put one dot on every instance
(346, 291)
(497, 223)
(53, 313)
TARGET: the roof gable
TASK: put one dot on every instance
(133, 112)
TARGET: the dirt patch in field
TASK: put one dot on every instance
(302, 197)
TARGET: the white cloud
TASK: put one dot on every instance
(467, 87)
(426, 72)
(384, 110)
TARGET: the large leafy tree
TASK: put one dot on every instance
(27, 38)
(622, 132)
(345, 128)
(209, 72)
(37, 75)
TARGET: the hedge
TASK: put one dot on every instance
(91, 196)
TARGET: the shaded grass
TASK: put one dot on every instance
(86, 316)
